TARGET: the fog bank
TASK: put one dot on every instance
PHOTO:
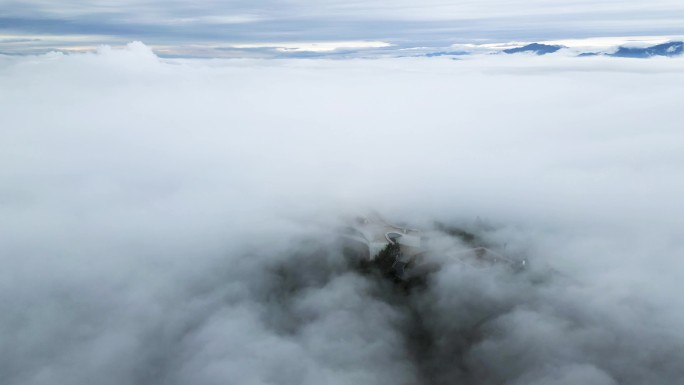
(169, 221)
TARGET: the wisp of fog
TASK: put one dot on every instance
(173, 221)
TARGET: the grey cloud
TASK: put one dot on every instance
(399, 22)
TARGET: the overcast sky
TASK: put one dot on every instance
(76, 24)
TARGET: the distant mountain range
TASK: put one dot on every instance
(674, 48)
(671, 49)
(539, 49)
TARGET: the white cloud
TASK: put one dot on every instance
(153, 211)
(324, 46)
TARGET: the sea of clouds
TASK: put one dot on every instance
(169, 221)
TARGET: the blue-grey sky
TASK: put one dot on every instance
(31, 25)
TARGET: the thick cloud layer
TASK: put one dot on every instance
(169, 222)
